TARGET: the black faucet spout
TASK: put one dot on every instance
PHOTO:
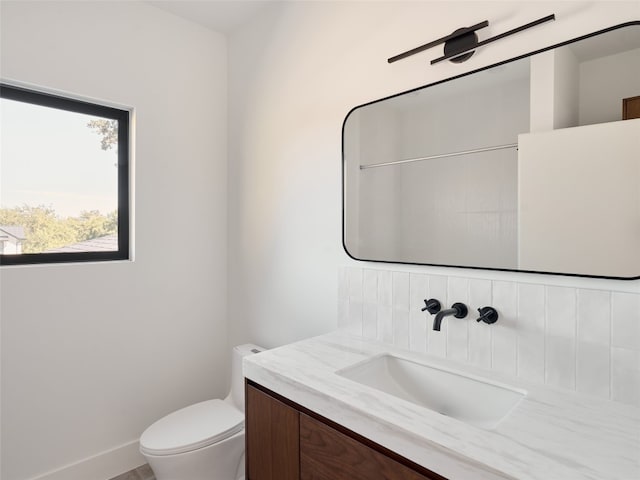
(458, 310)
(437, 320)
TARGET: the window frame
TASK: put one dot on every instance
(51, 100)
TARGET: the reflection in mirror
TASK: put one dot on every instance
(522, 166)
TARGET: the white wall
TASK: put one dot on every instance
(294, 75)
(581, 232)
(93, 353)
(566, 90)
(542, 91)
(620, 73)
(554, 90)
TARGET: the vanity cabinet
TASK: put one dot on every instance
(272, 431)
(288, 442)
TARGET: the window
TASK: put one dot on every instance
(64, 179)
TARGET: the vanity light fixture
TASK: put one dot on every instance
(460, 45)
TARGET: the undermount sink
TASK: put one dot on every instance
(474, 400)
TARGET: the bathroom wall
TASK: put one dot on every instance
(93, 353)
(294, 75)
(617, 70)
(580, 339)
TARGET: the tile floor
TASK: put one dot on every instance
(141, 473)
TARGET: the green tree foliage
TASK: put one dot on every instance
(106, 128)
(92, 224)
(44, 230)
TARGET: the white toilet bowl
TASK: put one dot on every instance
(204, 441)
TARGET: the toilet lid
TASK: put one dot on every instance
(191, 428)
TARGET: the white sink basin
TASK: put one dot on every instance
(474, 400)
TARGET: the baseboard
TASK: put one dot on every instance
(102, 466)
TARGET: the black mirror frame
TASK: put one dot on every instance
(519, 57)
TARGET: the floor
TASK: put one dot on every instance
(141, 473)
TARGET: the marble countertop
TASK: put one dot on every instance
(551, 435)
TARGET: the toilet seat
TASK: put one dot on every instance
(192, 428)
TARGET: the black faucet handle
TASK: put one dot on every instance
(432, 306)
(488, 315)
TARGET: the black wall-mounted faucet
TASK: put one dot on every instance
(488, 315)
(432, 306)
(458, 310)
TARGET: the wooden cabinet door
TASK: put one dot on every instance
(272, 430)
(326, 454)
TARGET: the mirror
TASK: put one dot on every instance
(526, 165)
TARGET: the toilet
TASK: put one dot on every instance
(204, 441)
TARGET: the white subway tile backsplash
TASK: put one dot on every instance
(400, 314)
(370, 321)
(343, 284)
(343, 313)
(370, 286)
(531, 308)
(437, 342)
(593, 369)
(384, 287)
(577, 339)
(479, 294)
(479, 333)
(401, 328)
(418, 324)
(480, 344)
(355, 284)
(594, 316)
(560, 362)
(418, 320)
(458, 328)
(400, 291)
(354, 318)
(561, 312)
(458, 290)
(385, 326)
(504, 336)
(625, 325)
(625, 373)
(531, 356)
(505, 300)
(418, 291)
(438, 289)
(458, 339)
(530, 339)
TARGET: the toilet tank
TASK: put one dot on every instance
(237, 379)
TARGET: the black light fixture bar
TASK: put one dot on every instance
(456, 34)
(497, 37)
(461, 44)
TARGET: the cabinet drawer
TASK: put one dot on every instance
(326, 454)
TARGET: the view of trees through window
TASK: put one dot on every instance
(58, 180)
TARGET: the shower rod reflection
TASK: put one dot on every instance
(442, 155)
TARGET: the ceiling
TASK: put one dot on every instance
(223, 16)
